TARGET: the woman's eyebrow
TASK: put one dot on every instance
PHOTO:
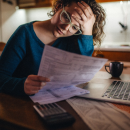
(71, 17)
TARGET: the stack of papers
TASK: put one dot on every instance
(65, 70)
(100, 115)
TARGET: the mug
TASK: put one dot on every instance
(115, 68)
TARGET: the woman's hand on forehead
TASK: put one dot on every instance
(85, 18)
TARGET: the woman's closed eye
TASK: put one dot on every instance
(75, 28)
(65, 17)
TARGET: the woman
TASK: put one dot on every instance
(75, 26)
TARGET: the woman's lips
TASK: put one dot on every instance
(59, 31)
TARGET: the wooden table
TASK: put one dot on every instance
(17, 113)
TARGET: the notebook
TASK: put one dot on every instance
(112, 91)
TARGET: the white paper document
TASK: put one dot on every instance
(57, 94)
(100, 115)
(65, 69)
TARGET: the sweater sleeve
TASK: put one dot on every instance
(12, 55)
(85, 43)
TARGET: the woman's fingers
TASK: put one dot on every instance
(32, 89)
(34, 83)
(77, 19)
(38, 78)
(87, 20)
(84, 11)
(88, 7)
(81, 13)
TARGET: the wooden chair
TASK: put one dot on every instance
(2, 45)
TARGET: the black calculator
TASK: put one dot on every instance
(53, 115)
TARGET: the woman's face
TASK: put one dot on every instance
(61, 29)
